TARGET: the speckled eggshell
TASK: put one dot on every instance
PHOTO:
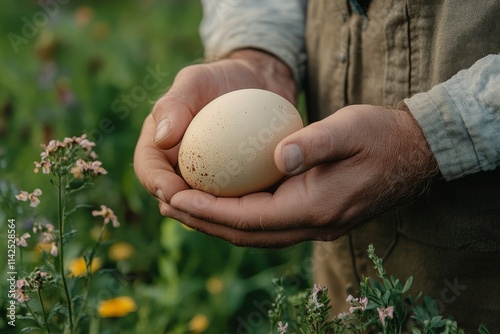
(228, 149)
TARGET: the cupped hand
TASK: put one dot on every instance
(343, 171)
(155, 157)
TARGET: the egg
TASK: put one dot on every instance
(228, 148)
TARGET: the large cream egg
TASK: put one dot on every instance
(228, 149)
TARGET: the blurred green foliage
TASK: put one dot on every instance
(95, 67)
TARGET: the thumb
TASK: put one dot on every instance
(174, 111)
(328, 140)
(172, 116)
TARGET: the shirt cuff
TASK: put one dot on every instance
(460, 119)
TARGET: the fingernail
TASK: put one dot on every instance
(292, 157)
(159, 193)
(162, 129)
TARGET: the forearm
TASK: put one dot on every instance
(275, 27)
(460, 119)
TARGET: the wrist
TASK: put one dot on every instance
(429, 165)
(271, 72)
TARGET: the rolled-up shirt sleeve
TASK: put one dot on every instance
(276, 27)
(460, 119)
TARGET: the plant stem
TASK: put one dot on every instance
(89, 275)
(61, 208)
(43, 310)
(35, 318)
(84, 303)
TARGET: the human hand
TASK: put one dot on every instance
(343, 171)
(155, 157)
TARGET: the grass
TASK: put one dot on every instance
(82, 70)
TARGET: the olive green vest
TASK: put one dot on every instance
(448, 239)
(402, 48)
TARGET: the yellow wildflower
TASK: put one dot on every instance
(214, 285)
(116, 307)
(198, 324)
(78, 267)
(43, 247)
(121, 251)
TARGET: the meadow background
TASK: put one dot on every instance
(74, 67)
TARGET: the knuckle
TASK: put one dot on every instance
(164, 208)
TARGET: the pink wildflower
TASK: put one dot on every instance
(314, 295)
(23, 196)
(384, 313)
(108, 215)
(47, 232)
(82, 166)
(357, 303)
(342, 315)
(53, 249)
(86, 144)
(32, 197)
(47, 237)
(78, 170)
(21, 241)
(97, 169)
(21, 283)
(66, 141)
(51, 147)
(37, 227)
(282, 327)
(60, 161)
(44, 165)
(20, 295)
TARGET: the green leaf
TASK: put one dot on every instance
(396, 283)
(58, 308)
(377, 285)
(408, 284)
(372, 305)
(78, 298)
(75, 208)
(30, 329)
(483, 330)
(68, 236)
(437, 321)
(386, 297)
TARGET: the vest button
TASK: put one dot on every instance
(342, 57)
